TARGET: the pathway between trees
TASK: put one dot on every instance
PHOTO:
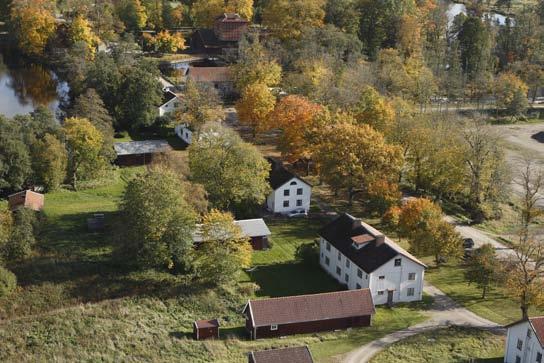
(443, 313)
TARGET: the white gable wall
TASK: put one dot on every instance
(530, 345)
(275, 200)
(396, 278)
(169, 106)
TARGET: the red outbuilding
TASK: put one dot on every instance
(206, 329)
(26, 199)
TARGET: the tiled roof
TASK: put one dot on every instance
(376, 249)
(279, 175)
(304, 308)
(209, 74)
(201, 324)
(283, 355)
(538, 325)
(141, 147)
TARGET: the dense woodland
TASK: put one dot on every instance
(358, 91)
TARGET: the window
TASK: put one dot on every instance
(299, 191)
(273, 327)
(346, 278)
(286, 203)
(518, 359)
(293, 183)
(347, 262)
(339, 256)
(359, 273)
(398, 261)
(328, 246)
(520, 344)
(412, 276)
(366, 277)
(299, 202)
(327, 261)
(380, 292)
(358, 286)
(338, 271)
(411, 291)
(381, 278)
(539, 357)
(286, 192)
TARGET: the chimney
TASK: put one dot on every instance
(380, 239)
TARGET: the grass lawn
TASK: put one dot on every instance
(496, 307)
(75, 302)
(453, 344)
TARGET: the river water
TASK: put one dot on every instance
(25, 85)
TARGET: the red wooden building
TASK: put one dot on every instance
(303, 314)
(206, 329)
(230, 27)
(283, 355)
(26, 199)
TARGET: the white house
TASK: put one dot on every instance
(184, 132)
(170, 102)
(359, 256)
(289, 192)
(525, 341)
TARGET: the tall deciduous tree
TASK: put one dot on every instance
(374, 110)
(421, 221)
(202, 105)
(22, 239)
(352, 157)
(15, 162)
(287, 18)
(224, 250)
(84, 143)
(80, 30)
(233, 172)
(132, 13)
(511, 93)
(204, 12)
(49, 162)
(162, 222)
(254, 106)
(33, 22)
(482, 268)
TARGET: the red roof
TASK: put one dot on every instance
(284, 355)
(303, 308)
(538, 326)
(202, 324)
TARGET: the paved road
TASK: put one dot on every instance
(444, 312)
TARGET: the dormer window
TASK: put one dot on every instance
(293, 183)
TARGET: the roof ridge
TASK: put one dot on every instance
(304, 295)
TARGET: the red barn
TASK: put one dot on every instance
(230, 27)
(283, 355)
(206, 329)
(304, 314)
(26, 199)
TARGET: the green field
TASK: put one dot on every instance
(453, 344)
(77, 302)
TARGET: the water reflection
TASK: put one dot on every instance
(24, 86)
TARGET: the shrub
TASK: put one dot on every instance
(8, 282)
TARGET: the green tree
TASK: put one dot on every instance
(49, 162)
(475, 43)
(132, 13)
(287, 18)
(202, 105)
(482, 268)
(15, 163)
(224, 250)
(511, 93)
(84, 144)
(22, 238)
(233, 172)
(161, 222)
(343, 14)
(8, 282)
(374, 110)
(6, 228)
(204, 12)
(80, 30)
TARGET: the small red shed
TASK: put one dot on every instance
(26, 199)
(206, 329)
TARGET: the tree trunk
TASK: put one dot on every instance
(350, 196)
(74, 180)
(484, 292)
(524, 311)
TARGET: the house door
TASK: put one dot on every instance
(390, 297)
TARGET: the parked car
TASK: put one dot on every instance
(297, 213)
(468, 243)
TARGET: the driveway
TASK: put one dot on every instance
(443, 313)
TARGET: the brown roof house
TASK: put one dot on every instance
(525, 341)
(26, 199)
(283, 355)
(206, 329)
(303, 314)
(227, 31)
(219, 78)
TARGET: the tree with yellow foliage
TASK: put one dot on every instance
(294, 114)
(132, 13)
(223, 250)
(80, 30)
(244, 8)
(374, 110)
(254, 106)
(511, 93)
(204, 12)
(287, 18)
(353, 157)
(165, 42)
(33, 23)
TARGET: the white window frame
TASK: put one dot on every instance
(411, 290)
(274, 327)
(410, 274)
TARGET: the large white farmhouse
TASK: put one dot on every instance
(289, 192)
(359, 256)
(525, 341)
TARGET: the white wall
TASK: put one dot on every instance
(531, 346)
(184, 133)
(169, 106)
(274, 201)
(395, 277)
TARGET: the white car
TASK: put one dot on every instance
(297, 213)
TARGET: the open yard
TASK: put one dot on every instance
(453, 344)
(77, 302)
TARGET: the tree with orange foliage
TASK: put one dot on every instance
(33, 23)
(254, 106)
(294, 114)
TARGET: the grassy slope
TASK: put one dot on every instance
(496, 307)
(77, 303)
(446, 345)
